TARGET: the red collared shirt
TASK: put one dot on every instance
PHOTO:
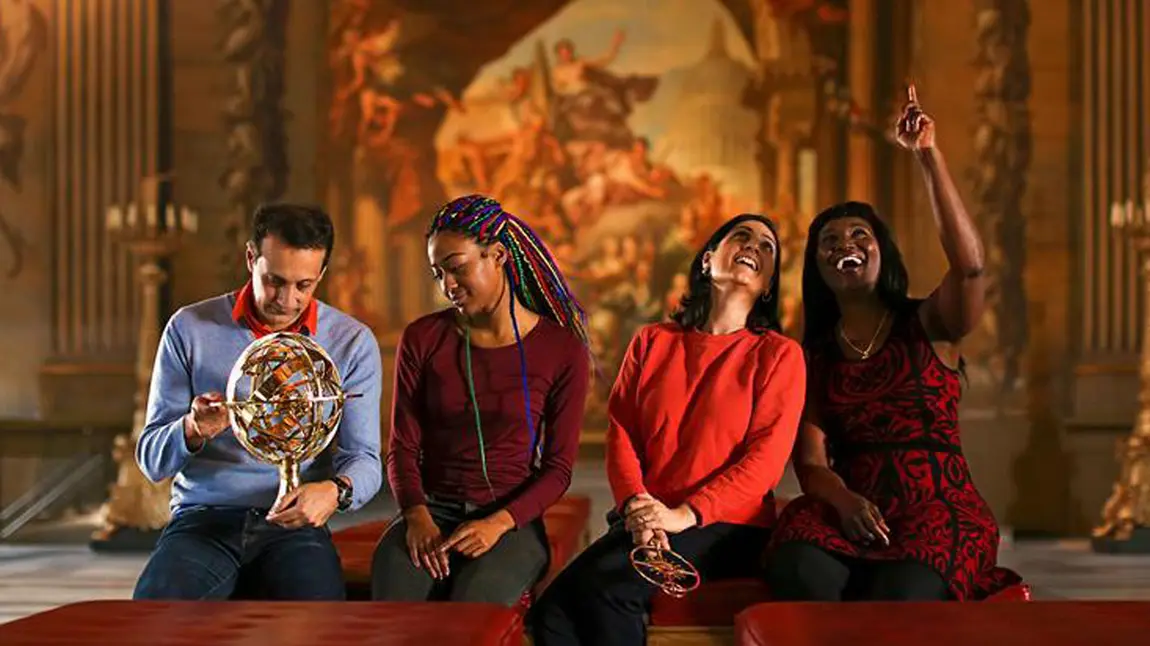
(244, 311)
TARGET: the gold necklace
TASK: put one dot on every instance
(864, 354)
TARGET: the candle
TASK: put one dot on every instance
(1115, 215)
(131, 219)
(151, 216)
(170, 218)
(114, 219)
(189, 218)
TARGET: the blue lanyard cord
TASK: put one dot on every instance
(531, 448)
(475, 407)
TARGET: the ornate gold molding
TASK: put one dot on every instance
(254, 44)
(1002, 145)
(24, 33)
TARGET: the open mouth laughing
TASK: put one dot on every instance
(748, 259)
(849, 263)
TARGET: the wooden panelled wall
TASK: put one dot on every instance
(1116, 158)
(107, 135)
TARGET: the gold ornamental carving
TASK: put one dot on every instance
(1128, 508)
(152, 233)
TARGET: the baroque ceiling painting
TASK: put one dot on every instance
(624, 133)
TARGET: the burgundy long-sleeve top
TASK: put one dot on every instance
(434, 447)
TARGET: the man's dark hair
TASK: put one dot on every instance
(299, 225)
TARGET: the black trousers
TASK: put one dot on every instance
(803, 572)
(499, 576)
(599, 599)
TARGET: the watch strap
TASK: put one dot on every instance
(345, 491)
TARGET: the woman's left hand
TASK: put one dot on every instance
(475, 538)
(646, 513)
(914, 130)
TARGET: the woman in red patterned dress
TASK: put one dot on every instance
(890, 510)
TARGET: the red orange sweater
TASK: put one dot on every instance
(707, 420)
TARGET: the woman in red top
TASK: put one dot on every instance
(890, 510)
(702, 419)
(489, 398)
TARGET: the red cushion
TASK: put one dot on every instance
(717, 603)
(135, 623)
(711, 604)
(1017, 592)
(943, 624)
(577, 505)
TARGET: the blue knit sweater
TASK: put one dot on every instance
(199, 345)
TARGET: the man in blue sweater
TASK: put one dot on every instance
(222, 534)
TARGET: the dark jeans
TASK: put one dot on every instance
(499, 576)
(222, 553)
(600, 600)
(802, 572)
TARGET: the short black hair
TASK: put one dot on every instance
(301, 226)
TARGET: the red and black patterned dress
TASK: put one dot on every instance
(891, 424)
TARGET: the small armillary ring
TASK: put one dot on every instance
(666, 569)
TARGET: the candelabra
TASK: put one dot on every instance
(138, 508)
(1125, 523)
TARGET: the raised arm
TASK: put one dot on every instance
(403, 453)
(609, 56)
(562, 423)
(624, 469)
(357, 445)
(778, 406)
(954, 308)
(162, 450)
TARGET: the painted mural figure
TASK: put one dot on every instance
(479, 155)
(592, 103)
(601, 150)
(612, 176)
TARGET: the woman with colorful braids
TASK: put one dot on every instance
(488, 405)
(702, 418)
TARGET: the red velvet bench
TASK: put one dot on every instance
(707, 614)
(257, 623)
(568, 530)
(944, 624)
(710, 611)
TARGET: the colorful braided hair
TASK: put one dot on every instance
(533, 274)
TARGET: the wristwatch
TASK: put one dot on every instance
(344, 499)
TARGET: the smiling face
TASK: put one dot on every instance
(848, 255)
(745, 257)
(470, 275)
